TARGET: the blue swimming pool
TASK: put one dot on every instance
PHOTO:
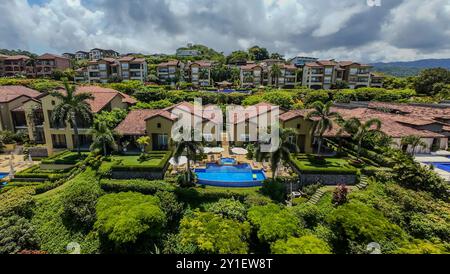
(443, 166)
(240, 175)
(3, 175)
(227, 161)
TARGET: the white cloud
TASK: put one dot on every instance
(345, 29)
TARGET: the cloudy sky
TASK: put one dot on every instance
(344, 29)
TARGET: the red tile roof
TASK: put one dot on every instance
(17, 57)
(49, 56)
(293, 114)
(9, 93)
(169, 63)
(134, 123)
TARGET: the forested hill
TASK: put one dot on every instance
(410, 68)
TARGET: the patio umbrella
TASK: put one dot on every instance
(239, 151)
(30, 160)
(207, 150)
(217, 149)
(181, 161)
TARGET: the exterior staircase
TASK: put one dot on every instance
(316, 197)
(363, 183)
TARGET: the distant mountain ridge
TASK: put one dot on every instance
(410, 68)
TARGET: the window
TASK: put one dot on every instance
(208, 137)
(353, 71)
(298, 126)
(53, 102)
(158, 125)
(327, 79)
(124, 65)
(59, 141)
(328, 71)
(194, 70)
(102, 66)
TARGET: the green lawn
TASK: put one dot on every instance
(134, 161)
(311, 164)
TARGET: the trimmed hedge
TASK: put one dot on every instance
(35, 172)
(142, 186)
(64, 158)
(305, 164)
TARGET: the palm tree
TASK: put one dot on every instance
(284, 150)
(190, 147)
(71, 106)
(323, 120)
(414, 142)
(102, 136)
(143, 141)
(359, 130)
(275, 73)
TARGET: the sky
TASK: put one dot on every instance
(362, 30)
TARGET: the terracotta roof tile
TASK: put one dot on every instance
(9, 93)
(134, 123)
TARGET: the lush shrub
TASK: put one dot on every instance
(275, 189)
(309, 215)
(172, 244)
(142, 186)
(273, 222)
(111, 118)
(17, 201)
(228, 208)
(307, 244)
(125, 217)
(357, 225)
(211, 233)
(80, 199)
(16, 234)
(170, 205)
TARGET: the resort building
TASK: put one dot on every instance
(131, 68)
(18, 65)
(301, 61)
(252, 75)
(81, 55)
(199, 73)
(429, 122)
(69, 55)
(61, 136)
(287, 78)
(47, 63)
(81, 75)
(376, 80)
(12, 115)
(100, 71)
(157, 124)
(170, 71)
(324, 74)
(97, 53)
(296, 120)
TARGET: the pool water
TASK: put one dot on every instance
(227, 161)
(443, 166)
(240, 175)
(3, 175)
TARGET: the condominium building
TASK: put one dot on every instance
(69, 55)
(97, 53)
(131, 68)
(324, 74)
(301, 61)
(81, 55)
(169, 71)
(355, 74)
(102, 70)
(2, 64)
(47, 63)
(61, 135)
(199, 73)
(254, 75)
(18, 65)
(81, 75)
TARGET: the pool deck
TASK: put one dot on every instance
(18, 162)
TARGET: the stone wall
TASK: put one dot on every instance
(138, 175)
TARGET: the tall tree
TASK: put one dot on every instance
(428, 78)
(258, 54)
(103, 136)
(72, 105)
(414, 142)
(190, 148)
(284, 149)
(360, 130)
(275, 73)
(323, 118)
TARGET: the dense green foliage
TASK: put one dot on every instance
(308, 244)
(228, 208)
(126, 217)
(211, 233)
(16, 234)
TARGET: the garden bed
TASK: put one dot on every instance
(36, 174)
(65, 158)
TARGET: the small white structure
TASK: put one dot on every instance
(239, 151)
(182, 160)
